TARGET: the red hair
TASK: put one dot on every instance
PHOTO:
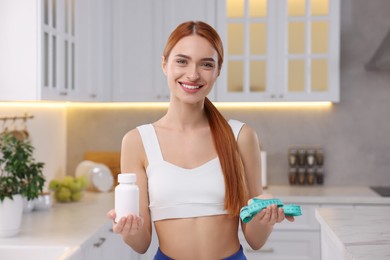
(236, 193)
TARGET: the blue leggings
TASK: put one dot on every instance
(237, 256)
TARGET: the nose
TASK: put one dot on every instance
(193, 74)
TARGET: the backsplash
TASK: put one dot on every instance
(47, 131)
(350, 158)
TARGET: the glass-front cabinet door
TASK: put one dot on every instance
(58, 49)
(279, 50)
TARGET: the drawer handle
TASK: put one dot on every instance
(100, 242)
(262, 250)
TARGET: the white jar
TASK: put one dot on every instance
(126, 196)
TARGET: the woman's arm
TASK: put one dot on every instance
(136, 231)
(257, 231)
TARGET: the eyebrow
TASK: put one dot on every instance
(188, 57)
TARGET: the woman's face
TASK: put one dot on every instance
(191, 69)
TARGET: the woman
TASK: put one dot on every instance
(194, 169)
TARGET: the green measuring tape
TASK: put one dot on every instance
(256, 205)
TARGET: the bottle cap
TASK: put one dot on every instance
(127, 177)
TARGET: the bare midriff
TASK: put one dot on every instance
(210, 237)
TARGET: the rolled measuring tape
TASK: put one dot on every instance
(256, 205)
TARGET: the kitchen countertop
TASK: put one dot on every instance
(72, 224)
(361, 234)
(327, 195)
(65, 224)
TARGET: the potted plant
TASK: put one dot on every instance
(20, 177)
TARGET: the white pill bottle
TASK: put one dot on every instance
(126, 196)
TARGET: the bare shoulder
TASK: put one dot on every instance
(132, 151)
(132, 137)
(248, 137)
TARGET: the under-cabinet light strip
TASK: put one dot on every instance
(244, 105)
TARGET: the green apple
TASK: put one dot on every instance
(76, 196)
(75, 186)
(54, 185)
(63, 194)
(67, 181)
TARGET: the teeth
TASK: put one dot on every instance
(190, 86)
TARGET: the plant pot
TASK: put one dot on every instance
(11, 216)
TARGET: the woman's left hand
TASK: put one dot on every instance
(272, 214)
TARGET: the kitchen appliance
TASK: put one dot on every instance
(109, 158)
(98, 175)
(384, 191)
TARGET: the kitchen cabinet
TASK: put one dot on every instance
(297, 240)
(54, 50)
(34, 39)
(56, 55)
(140, 31)
(103, 50)
(81, 53)
(283, 50)
(21, 30)
(93, 54)
(104, 244)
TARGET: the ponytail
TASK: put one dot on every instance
(236, 193)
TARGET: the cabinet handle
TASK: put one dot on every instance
(63, 93)
(100, 242)
(263, 250)
(92, 95)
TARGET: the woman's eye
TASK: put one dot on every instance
(181, 61)
(208, 65)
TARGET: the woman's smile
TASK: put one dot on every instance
(190, 87)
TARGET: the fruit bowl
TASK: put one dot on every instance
(69, 188)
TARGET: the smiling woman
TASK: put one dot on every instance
(195, 170)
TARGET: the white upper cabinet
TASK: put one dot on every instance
(54, 50)
(20, 63)
(76, 50)
(110, 50)
(56, 54)
(140, 31)
(133, 51)
(279, 50)
(94, 50)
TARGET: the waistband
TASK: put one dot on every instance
(239, 255)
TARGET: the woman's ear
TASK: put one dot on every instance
(164, 64)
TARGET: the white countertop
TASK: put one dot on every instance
(327, 195)
(65, 224)
(363, 234)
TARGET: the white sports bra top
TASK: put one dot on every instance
(176, 192)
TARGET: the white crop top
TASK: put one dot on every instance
(176, 192)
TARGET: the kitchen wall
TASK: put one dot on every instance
(47, 130)
(353, 133)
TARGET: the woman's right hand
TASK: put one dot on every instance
(129, 225)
